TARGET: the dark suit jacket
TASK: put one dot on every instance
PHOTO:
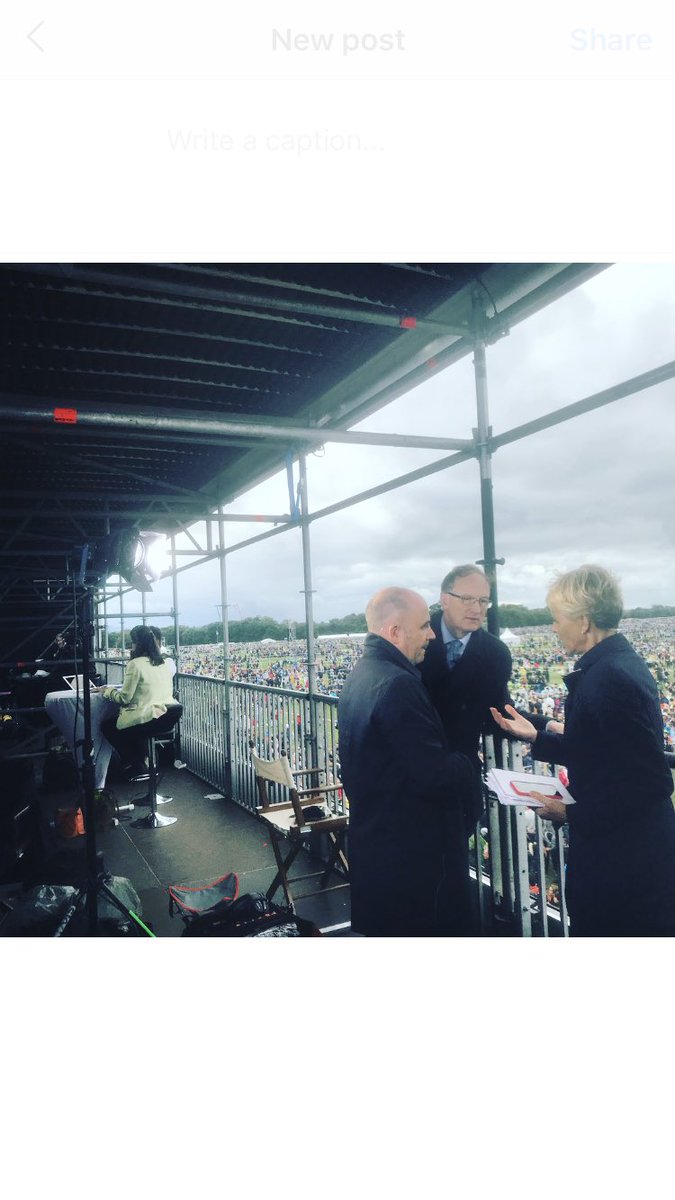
(408, 854)
(462, 697)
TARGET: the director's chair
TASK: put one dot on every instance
(294, 822)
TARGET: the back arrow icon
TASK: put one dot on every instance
(32, 39)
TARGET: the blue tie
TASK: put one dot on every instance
(453, 652)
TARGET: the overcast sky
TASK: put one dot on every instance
(599, 488)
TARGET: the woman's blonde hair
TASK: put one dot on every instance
(589, 591)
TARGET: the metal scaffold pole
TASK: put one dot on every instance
(176, 634)
(174, 603)
(120, 593)
(227, 727)
(311, 733)
(489, 562)
(482, 435)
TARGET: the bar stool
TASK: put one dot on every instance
(155, 820)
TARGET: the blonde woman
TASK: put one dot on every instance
(621, 864)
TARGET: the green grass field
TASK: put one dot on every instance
(555, 675)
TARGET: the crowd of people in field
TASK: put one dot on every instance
(536, 683)
(277, 664)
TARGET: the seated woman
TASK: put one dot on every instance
(147, 704)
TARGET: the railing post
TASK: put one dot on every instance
(560, 856)
(521, 870)
(521, 857)
(494, 832)
(508, 892)
(540, 861)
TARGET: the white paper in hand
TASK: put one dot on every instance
(516, 787)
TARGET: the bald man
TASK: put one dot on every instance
(408, 853)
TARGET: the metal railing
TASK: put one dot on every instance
(220, 724)
(525, 856)
(517, 858)
(110, 669)
(203, 743)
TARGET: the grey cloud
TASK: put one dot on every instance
(599, 486)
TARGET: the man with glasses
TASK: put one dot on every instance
(466, 670)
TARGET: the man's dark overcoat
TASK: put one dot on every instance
(462, 697)
(621, 860)
(408, 851)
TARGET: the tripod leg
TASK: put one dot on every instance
(104, 890)
(69, 913)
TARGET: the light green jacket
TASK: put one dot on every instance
(146, 692)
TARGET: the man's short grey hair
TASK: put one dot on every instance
(461, 572)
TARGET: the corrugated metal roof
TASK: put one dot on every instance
(147, 361)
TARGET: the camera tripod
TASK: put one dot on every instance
(99, 889)
(97, 876)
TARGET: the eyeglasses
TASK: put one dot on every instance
(468, 601)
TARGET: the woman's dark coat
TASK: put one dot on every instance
(408, 852)
(621, 863)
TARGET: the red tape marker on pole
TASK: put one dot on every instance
(65, 416)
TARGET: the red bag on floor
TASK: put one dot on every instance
(205, 899)
(69, 822)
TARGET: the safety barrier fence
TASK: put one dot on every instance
(524, 856)
(518, 861)
(221, 725)
(516, 857)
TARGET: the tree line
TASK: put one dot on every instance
(254, 629)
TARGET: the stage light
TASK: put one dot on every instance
(142, 557)
(139, 558)
(156, 554)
